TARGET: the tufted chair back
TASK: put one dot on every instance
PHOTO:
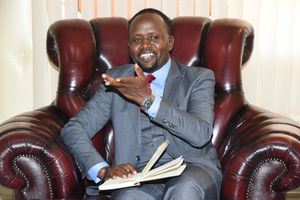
(103, 43)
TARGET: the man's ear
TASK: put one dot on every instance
(171, 42)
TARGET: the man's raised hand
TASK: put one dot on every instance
(133, 88)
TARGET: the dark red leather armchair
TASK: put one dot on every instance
(259, 150)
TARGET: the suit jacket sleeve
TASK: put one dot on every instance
(188, 112)
(79, 131)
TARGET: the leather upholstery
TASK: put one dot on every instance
(259, 150)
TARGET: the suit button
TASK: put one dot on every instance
(172, 125)
(137, 158)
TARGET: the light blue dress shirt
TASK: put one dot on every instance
(157, 87)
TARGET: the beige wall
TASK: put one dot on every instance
(16, 70)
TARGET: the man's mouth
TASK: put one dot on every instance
(146, 57)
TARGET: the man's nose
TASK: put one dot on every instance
(146, 42)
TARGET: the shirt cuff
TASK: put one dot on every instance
(93, 171)
(152, 111)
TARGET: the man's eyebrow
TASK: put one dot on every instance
(135, 35)
(140, 34)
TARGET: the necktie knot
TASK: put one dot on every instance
(149, 78)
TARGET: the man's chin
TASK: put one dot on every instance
(148, 69)
(148, 66)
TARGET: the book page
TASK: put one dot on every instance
(165, 167)
(166, 174)
(120, 182)
(155, 157)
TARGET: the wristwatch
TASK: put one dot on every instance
(147, 102)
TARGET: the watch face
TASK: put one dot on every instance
(147, 102)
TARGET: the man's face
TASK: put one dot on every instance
(149, 42)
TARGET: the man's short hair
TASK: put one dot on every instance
(166, 19)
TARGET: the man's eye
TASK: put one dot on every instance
(154, 37)
(137, 40)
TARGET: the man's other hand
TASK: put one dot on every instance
(123, 171)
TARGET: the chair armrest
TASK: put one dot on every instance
(260, 155)
(34, 161)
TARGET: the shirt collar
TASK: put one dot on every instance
(162, 73)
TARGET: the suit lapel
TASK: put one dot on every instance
(173, 80)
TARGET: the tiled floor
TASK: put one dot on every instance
(6, 194)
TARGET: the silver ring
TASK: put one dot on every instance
(128, 170)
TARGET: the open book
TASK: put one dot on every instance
(170, 169)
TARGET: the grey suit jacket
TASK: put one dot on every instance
(185, 114)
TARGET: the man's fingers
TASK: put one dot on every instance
(131, 169)
(107, 79)
(123, 171)
(139, 72)
(118, 82)
(110, 81)
(127, 170)
(117, 172)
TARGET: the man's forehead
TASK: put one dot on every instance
(145, 18)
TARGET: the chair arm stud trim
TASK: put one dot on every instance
(250, 184)
(20, 172)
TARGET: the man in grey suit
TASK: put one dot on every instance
(178, 106)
